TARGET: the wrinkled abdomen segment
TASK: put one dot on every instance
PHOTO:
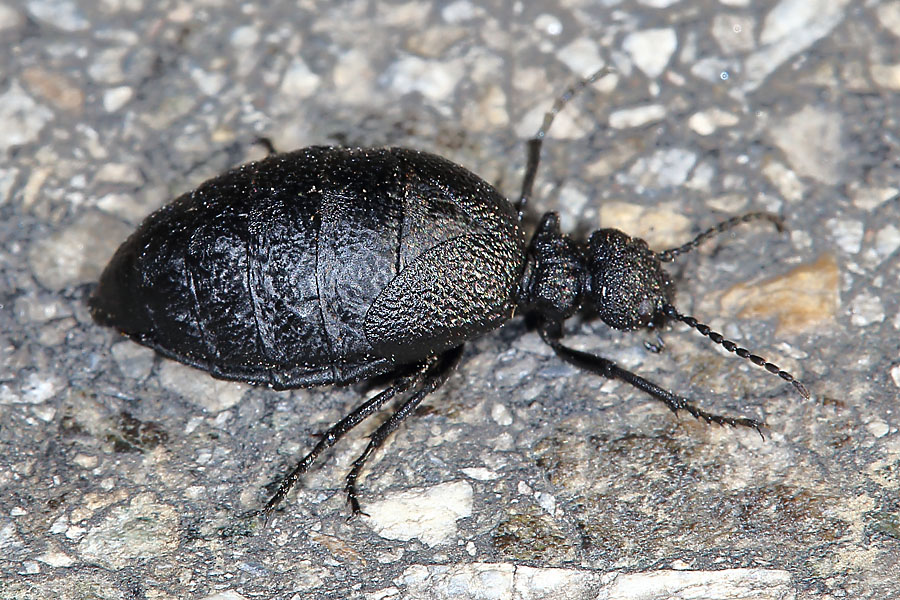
(217, 292)
(260, 276)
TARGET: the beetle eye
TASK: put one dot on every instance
(646, 309)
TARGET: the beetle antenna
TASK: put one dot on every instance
(733, 347)
(672, 253)
(534, 144)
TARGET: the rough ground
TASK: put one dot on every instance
(126, 476)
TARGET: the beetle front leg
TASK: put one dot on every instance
(607, 368)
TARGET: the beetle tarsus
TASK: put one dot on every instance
(657, 346)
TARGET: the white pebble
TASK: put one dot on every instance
(866, 309)
(651, 49)
(637, 116)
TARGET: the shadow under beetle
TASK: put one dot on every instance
(330, 265)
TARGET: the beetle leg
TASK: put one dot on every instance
(437, 373)
(607, 368)
(657, 346)
(336, 431)
(267, 145)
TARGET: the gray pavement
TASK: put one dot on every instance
(124, 475)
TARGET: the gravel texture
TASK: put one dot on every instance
(123, 475)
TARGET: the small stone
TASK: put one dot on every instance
(244, 37)
(40, 387)
(480, 473)
(488, 111)
(734, 34)
(711, 68)
(77, 253)
(811, 142)
(581, 55)
(459, 11)
(889, 16)
(790, 18)
(407, 15)
(658, 3)
(886, 76)
(895, 375)
(790, 27)
(866, 309)
(572, 203)
(789, 185)
(434, 79)
(660, 226)
(621, 151)
(7, 180)
(887, 240)
(55, 88)
(21, 118)
(501, 415)
(62, 14)
(118, 173)
(210, 83)
(55, 558)
(226, 595)
(493, 581)
(708, 121)
(428, 515)
(117, 97)
(10, 18)
(108, 65)
(433, 42)
(140, 529)
(878, 428)
(702, 177)
(868, 198)
(847, 234)
(637, 116)
(549, 24)
(215, 395)
(651, 49)
(30, 567)
(667, 167)
(85, 461)
(760, 584)
(135, 361)
(801, 299)
(299, 81)
(182, 13)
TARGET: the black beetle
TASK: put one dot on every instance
(330, 265)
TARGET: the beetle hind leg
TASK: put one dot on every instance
(337, 431)
(607, 368)
(426, 378)
(435, 375)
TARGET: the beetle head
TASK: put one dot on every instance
(627, 285)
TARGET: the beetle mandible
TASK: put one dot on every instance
(329, 265)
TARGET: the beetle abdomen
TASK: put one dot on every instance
(267, 273)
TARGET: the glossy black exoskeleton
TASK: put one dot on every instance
(329, 265)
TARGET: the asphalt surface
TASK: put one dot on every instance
(125, 475)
